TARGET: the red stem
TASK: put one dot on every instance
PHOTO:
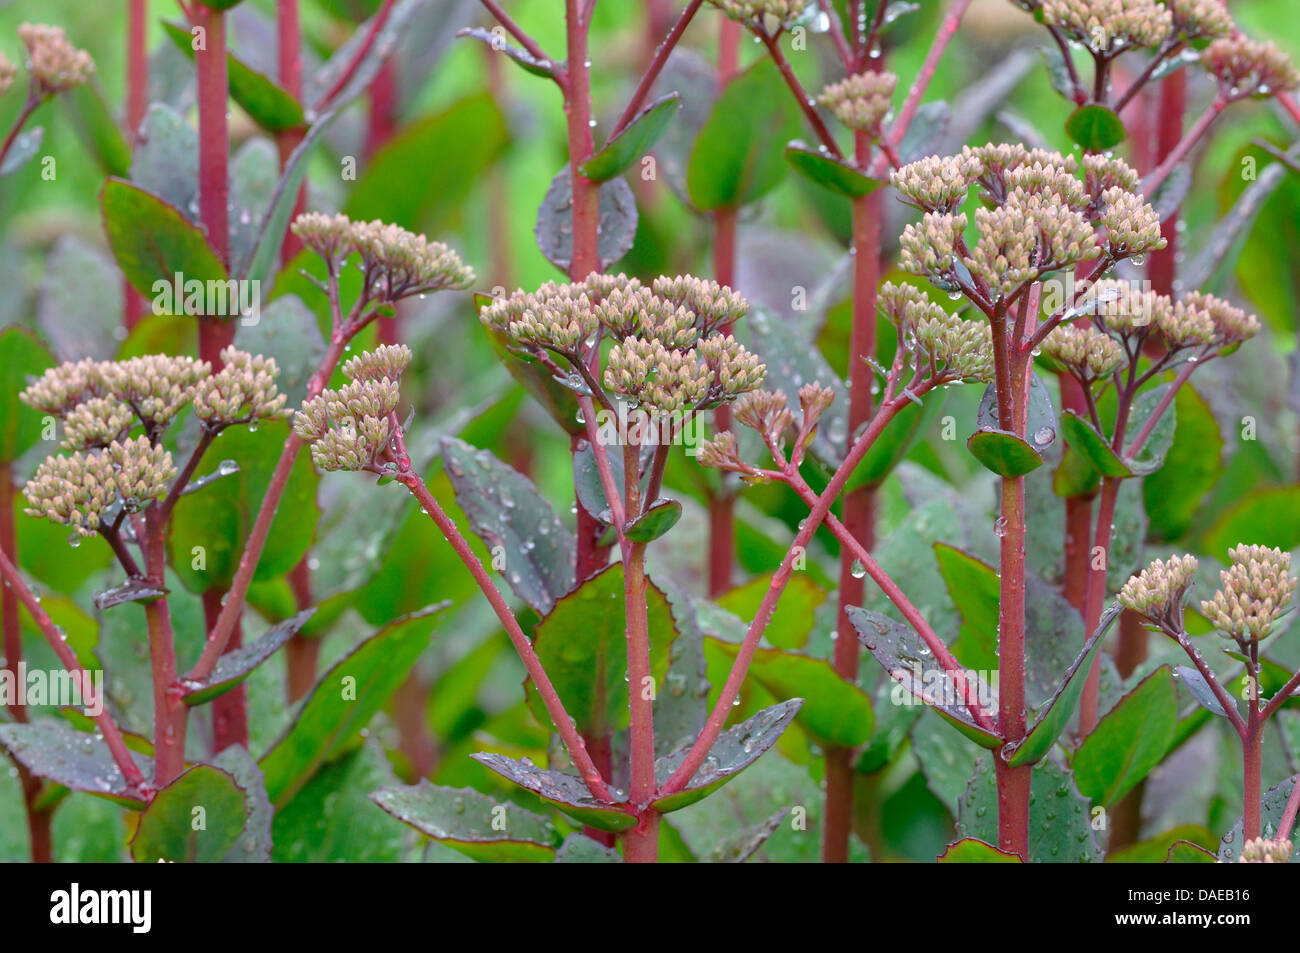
(1153, 182)
(230, 710)
(800, 95)
(1098, 555)
(577, 110)
(662, 52)
(642, 843)
(545, 690)
(289, 53)
(215, 331)
(731, 689)
(170, 712)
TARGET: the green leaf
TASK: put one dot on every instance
(835, 712)
(792, 620)
(969, 850)
(616, 232)
(166, 159)
(288, 332)
(1055, 712)
(332, 818)
(342, 703)
(739, 154)
(1173, 494)
(973, 586)
(634, 141)
(1004, 453)
(466, 138)
(474, 824)
(218, 517)
(1264, 517)
(583, 647)
(556, 399)
(1155, 850)
(581, 849)
(1151, 456)
(587, 484)
(1060, 824)
(563, 791)
(735, 750)
(1075, 477)
(505, 509)
(909, 661)
(1129, 741)
(661, 516)
(237, 665)
(254, 843)
(266, 103)
(1095, 128)
(167, 829)
(829, 172)
(1092, 446)
(22, 358)
(77, 761)
(152, 240)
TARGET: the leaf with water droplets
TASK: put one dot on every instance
(1151, 455)
(133, 590)
(1060, 823)
(970, 850)
(474, 824)
(581, 849)
(911, 663)
(583, 647)
(254, 844)
(78, 761)
(505, 510)
(235, 666)
(836, 712)
(24, 148)
(563, 791)
(1096, 128)
(167, 830)
(615, 232)
(746, 842)
(1272, 807)
(658, 519)
(1200, 689)
(343, 701)
(734, 750)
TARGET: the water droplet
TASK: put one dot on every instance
(857, 570)
(1000, 527)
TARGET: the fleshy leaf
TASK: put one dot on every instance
(658, 519)
(735, 750)
(1004, 453)
(970, 850)
(1129, 741)
(563, 791)
(152, 240)
(1095, 128)
(78, 761)
(1092, 446)
(829, 172)
(634, 141)
(237, 665)
(167, 831)
(616, 232)
(472, 823)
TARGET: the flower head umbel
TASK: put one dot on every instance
(1246, 68)
(155, 386)
(1109, 26)
(861, 101)
(1157, 592)
(1196, 19)
(944, 346)
(1256, 588)
(934, 184)
(772, 15)
(386, 361)
(329, 236)
(398, 263)
(1085, 352)
(85, 489)
(1261, 850)
(95, 423)
(242, 391)
(349, 428)
(62, 388)
(55, 64)
(1223, 323)
(1132, 225)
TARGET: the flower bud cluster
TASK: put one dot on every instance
(1256, 588)
(1156, 593)
(1245, 68)
(1109, 26)
(55, 65)
(84, 490)
(861, 101)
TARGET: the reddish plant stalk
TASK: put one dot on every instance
(137, 101)
(372, 34)
(301, 653)
(1252, 764)
(229, 710)
(170, 712)
(722, 507)
(859, 506)
(577, 111)
(38, 820)
(289, 53)
(215, 331)
(1098, 559)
